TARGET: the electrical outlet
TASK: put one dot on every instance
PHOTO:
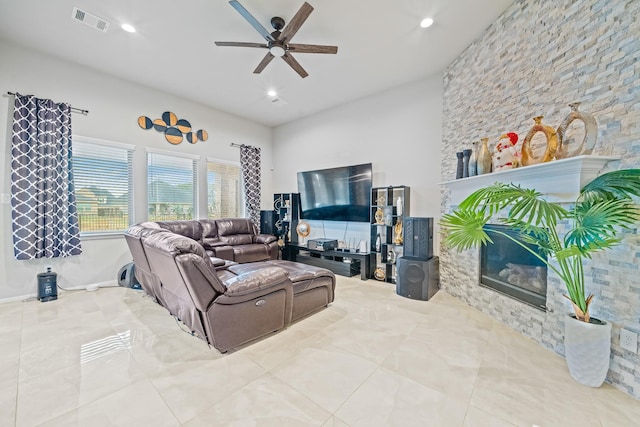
(629, 340)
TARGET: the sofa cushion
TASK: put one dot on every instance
(176, 244)
(210, 236)
(188, 228)
(236, 231)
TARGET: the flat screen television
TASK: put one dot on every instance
(336, 194)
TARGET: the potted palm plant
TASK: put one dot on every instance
(603, 207)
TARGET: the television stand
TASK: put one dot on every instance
(361, 262)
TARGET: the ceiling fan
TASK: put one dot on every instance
(278, 41)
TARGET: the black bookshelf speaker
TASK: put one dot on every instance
(268, 222)
(417, 279)
(418, 238)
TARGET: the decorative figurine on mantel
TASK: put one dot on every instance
(506, 155)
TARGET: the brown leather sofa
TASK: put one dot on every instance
(234, 239)
(223, 302)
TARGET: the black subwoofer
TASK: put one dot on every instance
(417, 279)
(418, 238)
(268, 222)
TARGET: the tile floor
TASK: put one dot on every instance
(113, 357)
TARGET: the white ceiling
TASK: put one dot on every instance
(380, 46)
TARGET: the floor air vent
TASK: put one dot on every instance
(88, 19)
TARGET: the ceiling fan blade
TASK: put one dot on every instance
(242, 44)
(253, 21)
(265, 61)
(296, 22)
(295, 65)
(311, 48)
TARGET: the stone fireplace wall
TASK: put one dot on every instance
(535, 59)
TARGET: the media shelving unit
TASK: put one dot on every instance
(385, 200)
(287, 216)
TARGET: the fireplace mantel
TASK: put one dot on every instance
(559, 180)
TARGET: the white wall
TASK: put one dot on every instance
(399, 131)
(114, 107)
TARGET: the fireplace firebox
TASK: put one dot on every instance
(510, 269)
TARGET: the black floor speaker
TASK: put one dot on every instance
(268, 222)
(418, 238)
(417, 279)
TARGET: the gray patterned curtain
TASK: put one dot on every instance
(44, 216)
(250, 164)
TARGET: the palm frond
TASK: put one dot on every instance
(532, 234)
(465, 229)
(493, 198)
(619, 184)
(595, 223)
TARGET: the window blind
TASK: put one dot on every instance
(171, 185)
(104, 186)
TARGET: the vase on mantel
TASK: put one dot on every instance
(466, 157)
(588, 140)
(528, 156)
(460, 165)
(484, 157)
(473, 160)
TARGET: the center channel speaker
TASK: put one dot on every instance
(268, 222)
(418, 238)
(417, 279)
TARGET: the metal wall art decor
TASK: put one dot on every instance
(567, 147)
(174, 129)
(528, 157)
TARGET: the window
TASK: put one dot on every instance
(224, 190)
(102, 172)
(171, 186)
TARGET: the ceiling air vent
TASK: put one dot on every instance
(88, 19)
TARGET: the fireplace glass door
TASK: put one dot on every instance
(510, 269)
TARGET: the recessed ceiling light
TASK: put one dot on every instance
(272, 93)
(128, 28)
(426, 22)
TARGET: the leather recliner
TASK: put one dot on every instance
(226, 314)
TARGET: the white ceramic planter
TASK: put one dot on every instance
(587, 347)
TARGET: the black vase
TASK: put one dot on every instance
(460, 167)
(466, 155)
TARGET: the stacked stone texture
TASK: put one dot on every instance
(534, 60)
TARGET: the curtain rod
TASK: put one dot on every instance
(74, 109)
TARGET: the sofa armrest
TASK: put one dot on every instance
(217, 262)
(264, 238)
(224, 252)
(255, 284)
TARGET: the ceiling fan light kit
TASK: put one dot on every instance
(278, 41)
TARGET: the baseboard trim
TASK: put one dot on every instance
(107, 284)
